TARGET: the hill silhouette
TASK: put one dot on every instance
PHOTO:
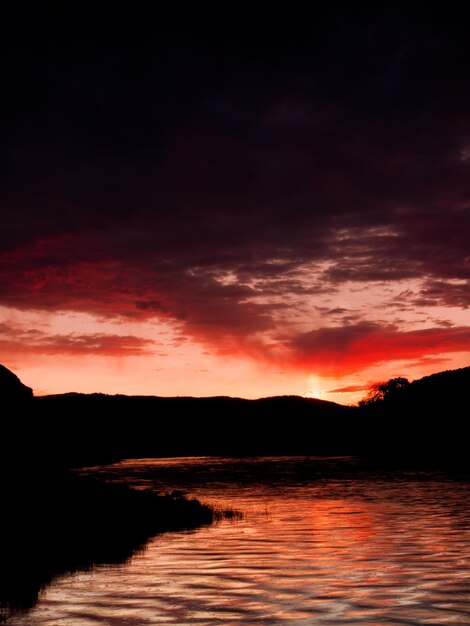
(96, 427)
(421, 424)
(425, 421)
(445, 390)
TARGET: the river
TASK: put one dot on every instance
(320, 541)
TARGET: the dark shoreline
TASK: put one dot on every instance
(56, 522)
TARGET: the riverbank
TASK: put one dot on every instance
(57, 522)
(322, 540)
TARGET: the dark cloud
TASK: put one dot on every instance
(214, 165)
(435, 293)
(442, 293)
(337, 311)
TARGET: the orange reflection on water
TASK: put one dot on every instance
(321, 552)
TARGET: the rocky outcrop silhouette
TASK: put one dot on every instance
(11, 387)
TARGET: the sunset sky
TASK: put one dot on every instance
(232, 198)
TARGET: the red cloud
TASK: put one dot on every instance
(209, 202)
(342, 350)
(348, 389)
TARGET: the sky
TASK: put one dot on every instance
(234, 198)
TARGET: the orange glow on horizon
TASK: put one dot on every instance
(82, 353)
(173, 225)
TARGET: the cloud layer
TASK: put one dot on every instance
(243, 186)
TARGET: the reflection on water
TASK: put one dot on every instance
(315, 546)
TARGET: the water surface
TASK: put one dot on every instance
(321, 541)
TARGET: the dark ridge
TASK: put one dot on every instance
(449, 388)
(424, 423)
(426, 420)
(97, 428)
(54, 521)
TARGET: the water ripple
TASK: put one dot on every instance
(371, 551)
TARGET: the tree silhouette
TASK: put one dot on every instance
(385, 392)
